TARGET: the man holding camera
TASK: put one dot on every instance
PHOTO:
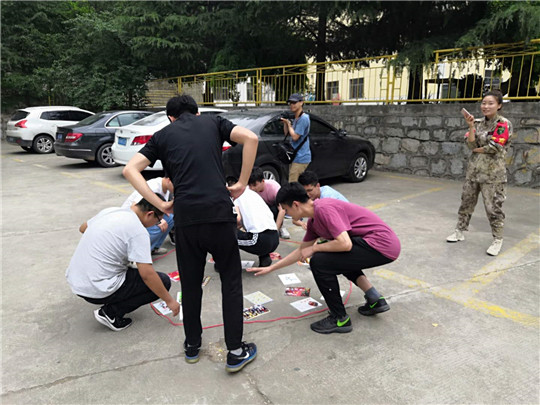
(298, 130)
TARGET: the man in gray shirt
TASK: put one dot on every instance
(99, 273)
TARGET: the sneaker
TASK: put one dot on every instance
(265, 261)
(159, 251)
(172, 236)
(456, 236)
(191, 352)
(237, 362)
(117, 324)
(284, 233)
(495, 247)
(332, 324)
(375, 308)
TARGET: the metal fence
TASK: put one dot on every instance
(455, 75)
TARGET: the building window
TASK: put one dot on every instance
(250, 94)
(222, 93)
(448, 94)
(332, 90)
(356, 88)
(490, 81)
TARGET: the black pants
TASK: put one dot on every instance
(325, 267)
(192, 245)
(132, 294)
(274, 209)
(260, 244)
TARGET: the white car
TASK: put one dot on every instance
(34, 128)
(130, 139)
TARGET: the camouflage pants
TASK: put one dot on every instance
(493, 195)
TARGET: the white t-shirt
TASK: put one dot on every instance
(113, 238)
(155, 185)
(256, 216)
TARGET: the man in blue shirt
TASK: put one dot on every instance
(299, 132)
(313, 188)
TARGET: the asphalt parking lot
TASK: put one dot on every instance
(463, 326)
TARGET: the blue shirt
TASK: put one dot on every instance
(329, 192)
(301, 127)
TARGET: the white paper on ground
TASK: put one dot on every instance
(163, 308)
(304, 304)
(288, 279)
(258, 298)
(246, 264)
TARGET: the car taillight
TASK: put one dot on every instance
(141, 140)
(72, 136)
(21, 124)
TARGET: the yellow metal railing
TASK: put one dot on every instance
(455, 75)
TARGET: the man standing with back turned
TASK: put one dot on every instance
(205, 220)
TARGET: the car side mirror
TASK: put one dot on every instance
(341, 133)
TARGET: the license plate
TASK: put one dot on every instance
(122, 141)
(58, 137)
(11, 139)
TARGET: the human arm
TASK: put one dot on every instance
(249, 140)
(280, 217)
(342, 243)
(291, 258)
(300, 223)
(132, 172)
(83, 227)
(154, 283)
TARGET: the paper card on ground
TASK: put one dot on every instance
(306, 304)
(288, 279)
(174, 276)
(162, 308)
(341, 292)
(254, 311)
(246, 264)
(297, 291)
(258, 298)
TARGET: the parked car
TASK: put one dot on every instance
(92, 138)
(34, 128)
(333, 151)
(131, 138)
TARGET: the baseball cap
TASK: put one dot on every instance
(296, 97)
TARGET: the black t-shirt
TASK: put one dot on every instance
(190, 150)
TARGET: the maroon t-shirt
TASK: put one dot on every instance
(333, 217)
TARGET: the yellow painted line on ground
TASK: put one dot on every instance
(110, 187)
(404, 198)
(18, 160)
(416, 179)
(500, 265)
(524, 192)
(460, 298)
(38, 165)
(76, 176)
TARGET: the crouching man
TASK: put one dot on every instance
(99, 273)
(357, 239)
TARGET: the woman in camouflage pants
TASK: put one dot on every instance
(486, 171)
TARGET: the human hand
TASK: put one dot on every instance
(286, 122)
(303, 225)
(174, 306)
(307, 252)
(167, 207)
(163, 225)
(236, 189)
(260, 271)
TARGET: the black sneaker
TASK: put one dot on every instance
(332, 324)
(237, 362)
(117, 324)
(172, 236)
(265, 261)
(191, 352)
(374, 308)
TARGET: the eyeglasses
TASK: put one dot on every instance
(291, 102)
(157, 217)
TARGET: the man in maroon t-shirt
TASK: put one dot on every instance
(356, 239)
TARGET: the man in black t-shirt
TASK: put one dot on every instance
(205, 221)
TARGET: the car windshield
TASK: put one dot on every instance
(93, 118)
(250, 121)
(152, 120)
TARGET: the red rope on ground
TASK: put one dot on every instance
(257, 321)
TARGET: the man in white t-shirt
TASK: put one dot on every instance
(162, 186)
(99, 273)
(257, 232)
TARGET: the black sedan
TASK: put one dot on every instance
(91, 139)
(333, 151)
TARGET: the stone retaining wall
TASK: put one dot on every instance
(427, 140)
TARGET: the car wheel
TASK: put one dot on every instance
(270, 173)
(358, 169)
(43, 144)
(104, 156)
(27, 148)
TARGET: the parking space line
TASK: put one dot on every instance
(418, 180)
(75, 176)
(407, 197)
(500, 265)
(460, 297)
(110, 187)
(18, 160)
(41, 166)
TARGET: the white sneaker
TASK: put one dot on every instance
(284, 233)
(159, 251)
(456, 236)
(495, 247)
